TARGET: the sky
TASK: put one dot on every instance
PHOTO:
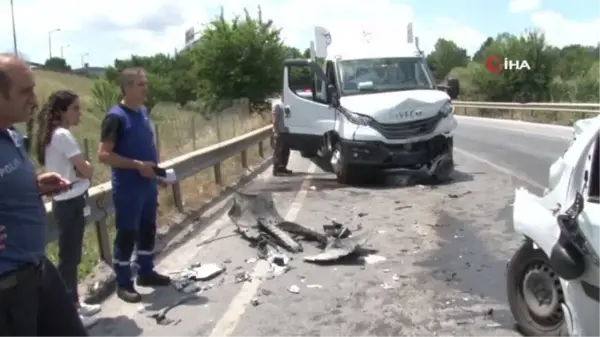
(101, 31)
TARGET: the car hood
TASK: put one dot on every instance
(398, 106)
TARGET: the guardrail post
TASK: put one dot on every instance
(101, 230)
(177, 198)
(261, 149)
(218, 176)
(244, 158)
(104, 242)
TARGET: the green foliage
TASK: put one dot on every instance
(104, 95)
(568, 74)
(238, 58)
(445, 56)
(57, 63)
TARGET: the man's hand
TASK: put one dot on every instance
(146, 169)
(52, 183)
(2, 238)
(161, 183)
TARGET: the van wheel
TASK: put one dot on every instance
(340, 167)
(534, 293)
(443, 173)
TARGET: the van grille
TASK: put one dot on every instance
(407, 129)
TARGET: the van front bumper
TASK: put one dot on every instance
(376, 153)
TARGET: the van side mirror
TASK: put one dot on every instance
(453, 88)
(332, 95)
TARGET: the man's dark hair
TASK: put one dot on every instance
(127, 76)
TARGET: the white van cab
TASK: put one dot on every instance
(371, 109)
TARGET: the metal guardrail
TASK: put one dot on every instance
(550, 107)
(185, 166)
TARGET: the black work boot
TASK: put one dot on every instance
(153, 279)
(128, 294)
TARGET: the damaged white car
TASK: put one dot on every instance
(552, 280)
(373, 106)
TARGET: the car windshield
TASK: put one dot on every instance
(384, 74)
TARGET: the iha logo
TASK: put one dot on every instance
(495, 64)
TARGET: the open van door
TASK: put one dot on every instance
(307, 118)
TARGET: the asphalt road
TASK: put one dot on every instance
(445, 253)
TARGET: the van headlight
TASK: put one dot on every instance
(357, 119)
(447, 109)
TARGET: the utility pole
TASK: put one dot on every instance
(50, 41)
(14, 28)
(83, 59)
(62, 50)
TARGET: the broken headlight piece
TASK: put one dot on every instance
(569, 225)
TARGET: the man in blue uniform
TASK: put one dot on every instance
(33, 298)
(127, 145)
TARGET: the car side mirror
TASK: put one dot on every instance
(453, 88)
(332, 95)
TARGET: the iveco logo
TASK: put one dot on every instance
(405, 114)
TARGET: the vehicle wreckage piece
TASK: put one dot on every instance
(255, 214)
(339, 244)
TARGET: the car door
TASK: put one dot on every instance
(306, 117)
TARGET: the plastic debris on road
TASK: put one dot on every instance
(188, 280)
(258, 221)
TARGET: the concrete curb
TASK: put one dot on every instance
(100, 284)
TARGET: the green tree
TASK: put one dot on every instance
(445, 56)
(478, 56)
(238, 58)
(57, 63)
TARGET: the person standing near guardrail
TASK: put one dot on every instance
(282, 151)
(33, 298)
(127, 145)
(57, 149)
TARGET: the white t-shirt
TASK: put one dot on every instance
(62, 147)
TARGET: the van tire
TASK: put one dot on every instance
(343, 171)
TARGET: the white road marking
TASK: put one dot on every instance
(226, 325)
(499, 168)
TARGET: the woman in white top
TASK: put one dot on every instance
(58, 151)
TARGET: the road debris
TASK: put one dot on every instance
(254, 301)
(294, 289)
(318, 286)
(188, 279)
(242, 277)
(361, 214)
(258, 221)
(372, 259)
(161, 316)
(456, 196)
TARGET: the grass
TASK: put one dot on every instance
(537, 116)
(179, 131)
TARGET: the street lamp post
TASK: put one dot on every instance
(14, 28)
(83, 59)
(62, 50)
(50, 41)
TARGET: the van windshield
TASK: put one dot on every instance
(385, 74)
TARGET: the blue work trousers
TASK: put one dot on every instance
(135, 220)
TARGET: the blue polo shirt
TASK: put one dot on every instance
(134, 139)
(22, 211)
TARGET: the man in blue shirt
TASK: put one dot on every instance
(33, 298)
(127, 145)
